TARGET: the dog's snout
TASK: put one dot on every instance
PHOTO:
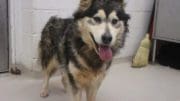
(107, 38)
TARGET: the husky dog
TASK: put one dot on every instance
(83, 47)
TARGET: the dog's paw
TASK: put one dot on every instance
(44, 93)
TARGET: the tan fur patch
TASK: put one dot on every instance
(52, 66)
(101, 14)
(113, 15)
(86, 77)
(82, 62)
(84, 4)
(85, 34)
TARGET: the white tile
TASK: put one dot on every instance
(35, 52)
(27, 4)
(27, 21)
(139, 19)
(40, 18)
(139, 5)
(55, 4)
(23, 51)
(66, 13)
(36, 66)
(35, 43)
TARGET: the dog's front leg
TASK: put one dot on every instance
(77, 95)
(91, 93)
(92, 90)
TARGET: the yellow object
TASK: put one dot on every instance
(142, 56)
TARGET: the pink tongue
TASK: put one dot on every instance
(105, 53)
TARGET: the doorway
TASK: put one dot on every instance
(4, 42)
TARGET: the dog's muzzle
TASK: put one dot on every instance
(106, 39)
(104, 50)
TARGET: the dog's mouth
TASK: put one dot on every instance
(104, 51)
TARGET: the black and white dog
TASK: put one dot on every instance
(83, 47)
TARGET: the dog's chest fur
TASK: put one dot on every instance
(87, 77)
(84, 64)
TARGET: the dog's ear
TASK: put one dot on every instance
(85, 4)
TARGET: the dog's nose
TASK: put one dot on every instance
(107, 38)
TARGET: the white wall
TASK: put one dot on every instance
(33, 14)
(140, 11)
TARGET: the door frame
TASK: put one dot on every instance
(14, 15)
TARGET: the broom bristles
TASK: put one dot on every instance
(142, 56)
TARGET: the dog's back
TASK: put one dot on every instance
(52, 35)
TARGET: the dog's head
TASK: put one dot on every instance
(102, 24)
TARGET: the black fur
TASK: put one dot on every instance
(73, 83)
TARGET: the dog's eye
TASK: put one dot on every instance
(114, 21)
(97, 19)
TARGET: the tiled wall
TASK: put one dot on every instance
(35, 13)
(140, 11)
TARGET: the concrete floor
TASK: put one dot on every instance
(153, 83)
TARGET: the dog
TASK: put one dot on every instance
(83, 47)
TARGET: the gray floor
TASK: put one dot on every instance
(153, 83)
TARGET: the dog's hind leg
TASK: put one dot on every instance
(44, 91)
(51, 68)
(64, 82)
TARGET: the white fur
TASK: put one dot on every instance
(115, 30)
(97, 30)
